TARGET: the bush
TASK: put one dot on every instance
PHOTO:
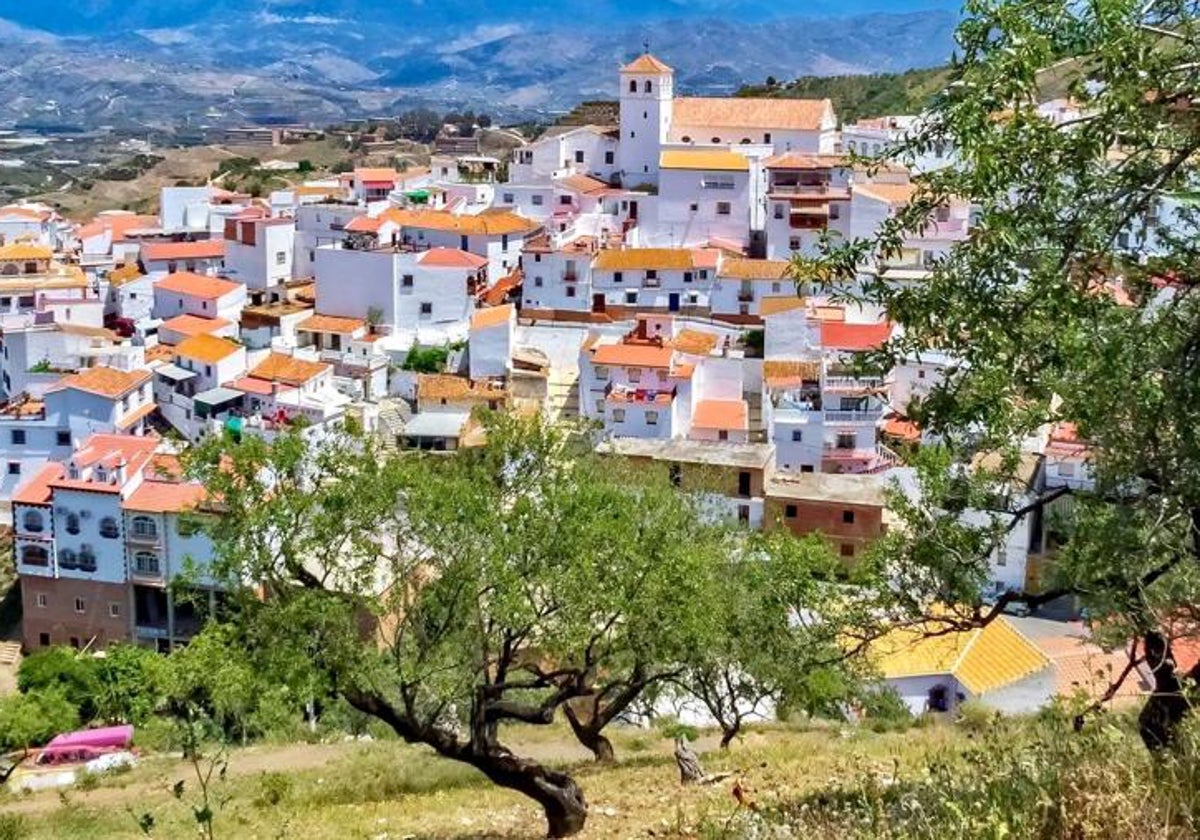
(130, 684)
(32, 719)
(62, 669)
(274, 788)
(973, 716)
(13, 827)
(426, 359)
(884, 709)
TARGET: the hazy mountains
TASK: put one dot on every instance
(162, 64)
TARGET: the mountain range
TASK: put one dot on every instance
(147, 63)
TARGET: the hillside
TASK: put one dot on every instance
(980, 778)
(861, 96)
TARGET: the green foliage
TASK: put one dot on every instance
(63, 670)
(34, 717)
(1018, 782)
(426, 359)
(862, 96)
(14, 827)
(274, 789)
(884, 709)
(130, 682)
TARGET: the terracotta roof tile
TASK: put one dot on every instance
(190, 325)
(205, 249)
(893, 194)
(165, 497)
(646, 63)
(105, 381)
(642, 259)
(738, 112)
(633, 355)
(837, 335)
(318, 323)
(196, 285)
(451, 258)
(36, 490)
(206, 348)
(440, 386)
(721, 415)
(484, 224)
(289, 370)
(695, 342)
(492, 316)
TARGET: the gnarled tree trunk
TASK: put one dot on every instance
(558, 794)
(1167, 707)
(587, 724)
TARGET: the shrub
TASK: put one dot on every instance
(33, 718)
(274, 788)
(63, 669)
(426, 359)
(13, 827)
(885, 710)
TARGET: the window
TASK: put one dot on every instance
(564, 200)
(87, 558)
(40, 600)
(847, 517)
(579, 156)
(108, 528)
(68, 559)
(797, 436)
(80, 605)
(280, 257)
(724, 208)
(114, 610)
(846, 550)
(14, 467)
(34, 521)
(62, 438)
(835, 211)
(651, 418)
(570, 291)
(778, 211)
(649, 86)
(694, 207)
(651, 274)
(44, 639)
(806, 468)
(146, 563)
(208, 370)
(508, 198)
(716, 181)
(609, 158)
(618, 415)
(635, 374)
(537, 281)
(618, 277)
(17, 436)
(601, 372)
(426, 308)
(631, 298)
(794, 243)
(686, 139)
(406, 281)
(790, 512)
(538, 200)
(72, 523)
(633, 85)
(743, 484)
(716, 140)
(767, 137)
(35, 555)
(723, 434)
(687, 277)
(144, 527)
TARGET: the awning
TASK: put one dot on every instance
(175, 373)
(217, 396)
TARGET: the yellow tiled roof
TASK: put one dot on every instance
(709, 159)
(982, 660)
(642, 259)
(755, 269)
(24, 251)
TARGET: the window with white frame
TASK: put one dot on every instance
(618, 415)
(144, 527)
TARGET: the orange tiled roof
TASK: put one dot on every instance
(206, 348)
(205, 249)
(289, 370)
(721, 414)
(109, 450)
(803, 160)
(440, 386)
(250, 385)
(160, 352)
(484, 224)
(842, 336)
(24, 213)
(364, 224)
(784, 303)
(165, 497)
(491, 317)
(318, 323)
(646, 63)
(196, 285)
(894, 194)
(695, 342)
(36, 491)
(190, 325)
(901, 428)
(642, 259)
(123, 274)
(738, 112)
(756, 269)
(376, 175)
(105, 381)
(583, 184)
(496, 294)
(633, 355)
(134, 416)
(451, 258)
(118, 225)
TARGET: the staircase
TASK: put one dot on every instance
(10, 654)
(393, 416)
(758, 434)
(562, 396)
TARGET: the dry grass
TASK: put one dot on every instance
(939, 781)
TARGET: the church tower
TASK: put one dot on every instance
(647, 94)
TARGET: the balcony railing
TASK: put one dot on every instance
(745, 296)
(143, 537)
(570, 276)
(853, 383)
(871, 415)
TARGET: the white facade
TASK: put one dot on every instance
(259, 253)
(647, 94)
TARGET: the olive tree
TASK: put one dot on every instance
(1073, 301)
(455, 595)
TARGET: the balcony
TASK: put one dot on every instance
(746, 296)
(570, 276)
(642, 396)
(143, 536)
(147, 573)
(853, 383)
(823, 192)
(870, 415)
(858, 461)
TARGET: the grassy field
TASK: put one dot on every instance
(829, 782)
